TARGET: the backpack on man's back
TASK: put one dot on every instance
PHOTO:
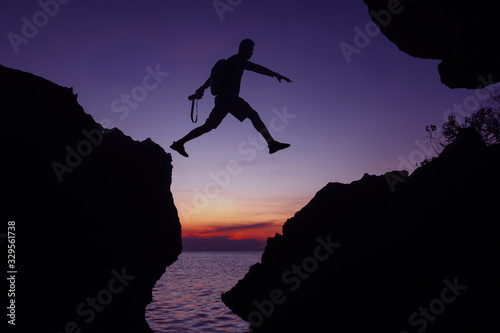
(218, 77)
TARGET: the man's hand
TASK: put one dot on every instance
(281, 77)
(197, 95)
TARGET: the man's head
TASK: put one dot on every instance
(246, 48)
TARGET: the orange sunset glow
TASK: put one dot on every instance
(235, 219)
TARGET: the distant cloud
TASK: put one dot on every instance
(221, 243)
(212, 229)
(241, 231)
(238, 227)
(226, 238)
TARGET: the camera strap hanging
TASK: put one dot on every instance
(194, 118)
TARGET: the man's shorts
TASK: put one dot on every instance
(233, 105)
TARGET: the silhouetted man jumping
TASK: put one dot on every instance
(226, 86)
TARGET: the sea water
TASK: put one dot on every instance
(187, 297)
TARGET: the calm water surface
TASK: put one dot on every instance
(187, 297)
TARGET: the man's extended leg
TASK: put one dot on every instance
(259, 125)
(261, 128)
(198, 131)
(213, 120)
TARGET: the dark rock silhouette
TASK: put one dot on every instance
(95, 221)
(361, 257)
(460, 33)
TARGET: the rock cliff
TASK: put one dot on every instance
(391, 253)
(95, 222)
(460, 33)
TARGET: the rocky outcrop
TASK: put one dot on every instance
(460, 33)
(390, 253)
(95, 222)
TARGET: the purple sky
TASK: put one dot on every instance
(344, 117)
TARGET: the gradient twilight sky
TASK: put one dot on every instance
(345, 118)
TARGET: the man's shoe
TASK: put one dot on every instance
(179, 147)
(275, 146)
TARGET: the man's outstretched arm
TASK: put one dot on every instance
(263, 70)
